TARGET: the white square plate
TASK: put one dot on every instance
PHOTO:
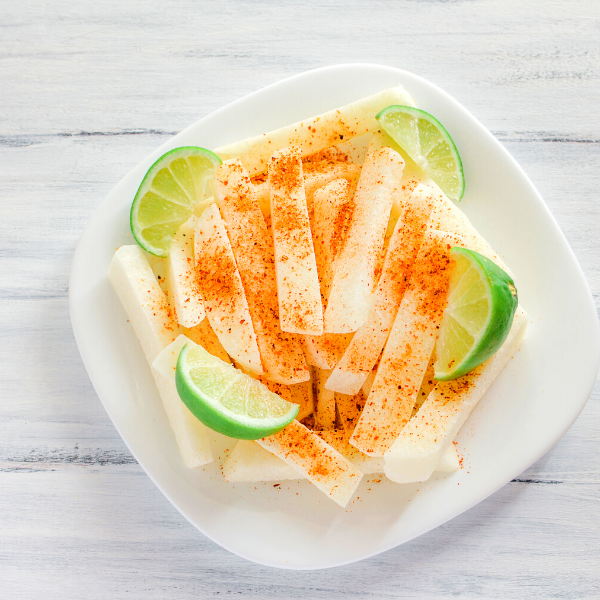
(530, 406)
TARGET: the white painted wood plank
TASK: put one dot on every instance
(89, 90)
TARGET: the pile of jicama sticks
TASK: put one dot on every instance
(321, 269)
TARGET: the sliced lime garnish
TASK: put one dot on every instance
(428, 143)
(168, 194)
(482, 300)
(227, 400)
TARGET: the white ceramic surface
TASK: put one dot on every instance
(528, 409)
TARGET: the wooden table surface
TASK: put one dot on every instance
(88, 89)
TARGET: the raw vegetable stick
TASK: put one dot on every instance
(281, 353)
(250, 462)
(331, 215)
(409, 346)
(314, 178)
(325, 407)
(186, 297)
(191, 435)
(354, 281)
(221, 285)
(428, 435)
(316, 133)
(302, 394)
(412, 175)
(349, 409)
(323, 466)
(149, 314)
(298, 292)
(360, 357)
(143, 300)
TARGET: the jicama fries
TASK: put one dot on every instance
(316, 133)
(415, 454)
(300, 308)
(318, 261)
(249, 461)
(409, 346)
(355, 276)
(281, 353)
(349, 409)
(143, 300)
(362, 354)
(224, 296)
(325, 406)
(332, 211)
(323, 466)
(302, 394)
(186, 297)
(191, 435)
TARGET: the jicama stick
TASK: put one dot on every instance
(281, 353)
(325, 407)
(428, 435)
(250, 462)
(316, 133)
(224, 297)
(409, 346)
(367, 386)
(302, 394)
(332, 211)
(143, 300)
(191, 435)
(323, 466)
(203, 335)
(300, 308)
(368, 465)
(355, 276)
(426, 385)
(362, 354)
(412, 175)
(349, 409)
(186, 297)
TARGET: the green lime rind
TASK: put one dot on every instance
(166, 198)
(428, 143)
(219, 396)
(502, 302)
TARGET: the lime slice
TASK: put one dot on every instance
(482, 300)
(166, 198)
(426, 141)
(227, 400)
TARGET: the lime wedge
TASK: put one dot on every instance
(227, 400)
(168, 194)
(482, 300)
(426, 141)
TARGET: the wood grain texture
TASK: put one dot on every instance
(87, 90)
